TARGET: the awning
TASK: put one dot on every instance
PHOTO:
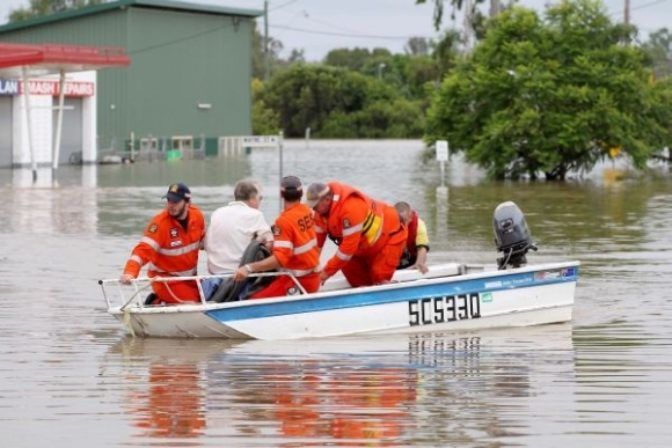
(54, 58)
(28, 60)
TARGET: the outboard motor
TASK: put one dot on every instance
(512, 236)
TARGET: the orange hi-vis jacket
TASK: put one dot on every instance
(167, 248)
(295, 241)
(359, 225)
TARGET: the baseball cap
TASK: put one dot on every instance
(289, 183)
(316, 191)
(178, 192)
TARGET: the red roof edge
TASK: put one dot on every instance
(12, 55)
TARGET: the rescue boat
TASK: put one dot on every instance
(451, 297)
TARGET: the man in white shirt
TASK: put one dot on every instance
(234, 226)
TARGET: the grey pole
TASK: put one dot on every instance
(26, 106)
(59, 121)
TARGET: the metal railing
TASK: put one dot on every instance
(124, 296)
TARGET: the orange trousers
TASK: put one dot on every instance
(378, 267)
(176, 292)
(282, 285)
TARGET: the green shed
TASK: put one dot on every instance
(190, 71)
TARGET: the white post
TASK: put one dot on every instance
(280, 165)
(442, 156)
(59, 121)
(26, 106)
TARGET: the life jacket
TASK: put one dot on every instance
(412, 235)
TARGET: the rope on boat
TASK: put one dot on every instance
(127, 322)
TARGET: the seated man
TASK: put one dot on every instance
(169, 248)
(231, 230)
(417, 243)
(295, 247)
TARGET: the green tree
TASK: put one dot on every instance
(418, 46)
(659, 49)
(264, 119)
(549, 97)
(336, 102)
(357, 59)
(38, 8)
(259, 57)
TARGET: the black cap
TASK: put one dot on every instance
(178, 192)
(290, 183)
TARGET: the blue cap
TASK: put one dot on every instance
(178, 192)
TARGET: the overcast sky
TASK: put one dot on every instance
(317, 26)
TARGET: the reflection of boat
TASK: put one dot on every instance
(450, 297)
(336, 391)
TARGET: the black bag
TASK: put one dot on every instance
(230, 291)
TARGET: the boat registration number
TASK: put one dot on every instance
(436, 310)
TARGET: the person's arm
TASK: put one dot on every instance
(352, 219)
(261, 230)
(267, 264)
(320, 226)
(282, 252)
(421, 260)
(142, 253)
(422, 245)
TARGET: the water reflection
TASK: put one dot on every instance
(390, 391)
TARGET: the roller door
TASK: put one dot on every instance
(71, 136)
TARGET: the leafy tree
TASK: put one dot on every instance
(357, 59)
(550, 97)
(445, 51)
(264, 119)
(418, 46)
(335, 102)
(659, 48)
(38, 8)
(258, 56)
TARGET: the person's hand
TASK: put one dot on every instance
(126, 279)
(323, 277)
(422, 267)
(241, 274)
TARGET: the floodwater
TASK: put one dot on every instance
(69, 377)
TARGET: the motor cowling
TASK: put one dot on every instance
(512, 236)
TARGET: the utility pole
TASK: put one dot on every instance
(267, 67)
(626, 13)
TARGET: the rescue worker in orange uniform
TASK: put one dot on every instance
(295, 247)
(169, 248)
(369, 234)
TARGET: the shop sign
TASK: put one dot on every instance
(46, 87)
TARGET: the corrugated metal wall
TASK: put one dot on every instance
(180, 59)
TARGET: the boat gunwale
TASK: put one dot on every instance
(338, 293)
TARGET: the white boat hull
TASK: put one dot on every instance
(532, 295)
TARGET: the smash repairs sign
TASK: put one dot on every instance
(44, 87)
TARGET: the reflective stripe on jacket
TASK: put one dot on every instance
(167, 248)
(295, 243)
